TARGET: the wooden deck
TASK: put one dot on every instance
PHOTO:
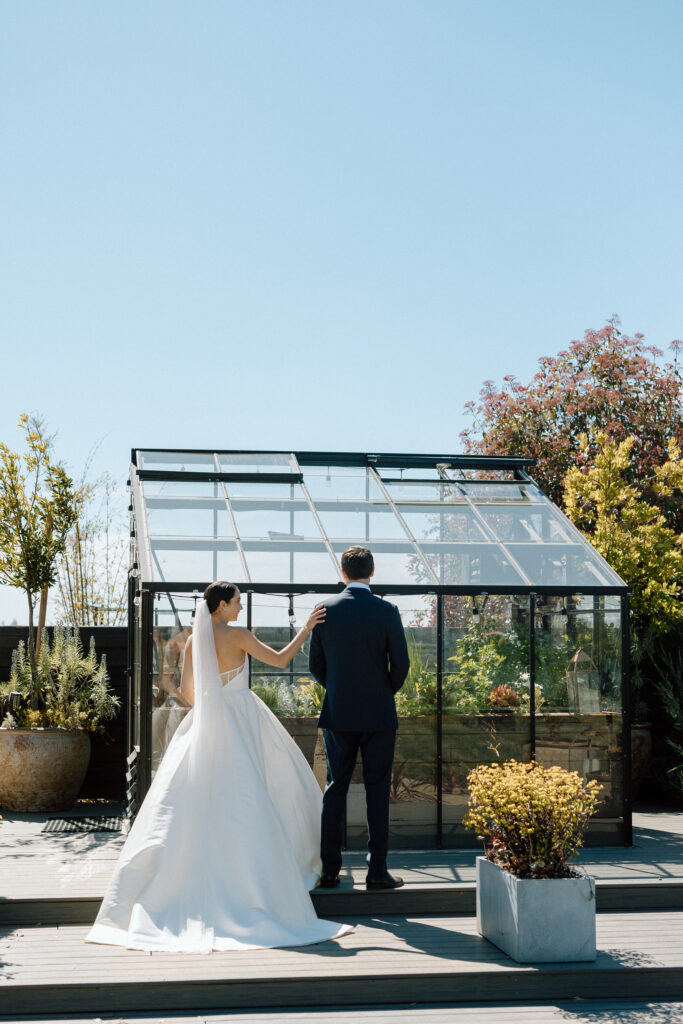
(53, 878)
(417, 947)
(599, 1011)
(405, 960)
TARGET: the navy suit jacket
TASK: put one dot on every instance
(359, 654)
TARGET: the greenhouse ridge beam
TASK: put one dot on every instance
(452, 589)
(406, 461)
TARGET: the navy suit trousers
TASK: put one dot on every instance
(377, 754)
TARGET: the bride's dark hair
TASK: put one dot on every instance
(217, 592)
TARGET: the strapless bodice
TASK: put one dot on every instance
(236, 678)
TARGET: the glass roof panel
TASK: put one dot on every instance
(504, 492)
(359, 522)
(268, 564)
(176, 462)
(205, 518)
(422, 529)
(179, 560)
(441, 522)
(258, 462)
(335, 482)
(538, 523)
(438, 492)
(180, 489)
(472, 565)
(567, 565)
(394, 561)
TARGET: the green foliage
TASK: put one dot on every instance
(68, 689)
(37, 510)
(532, 817)
(418, 695)
(485, 660)
(289, 701)
(630, 532)
(608, 381)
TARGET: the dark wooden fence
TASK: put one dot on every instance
(106, 774)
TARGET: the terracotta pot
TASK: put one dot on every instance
(42, 769)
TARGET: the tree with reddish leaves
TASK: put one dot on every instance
(609, 383)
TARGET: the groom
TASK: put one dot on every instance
(359, 654)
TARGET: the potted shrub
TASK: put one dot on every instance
(44, 738)
(531, 902)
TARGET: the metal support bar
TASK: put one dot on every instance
(233, 522)
(627, 717)
(146, 676)
(439, 719)
(488, 532)
(142, 529)
(532, 677)
(326, 539)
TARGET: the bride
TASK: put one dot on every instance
(226, 844)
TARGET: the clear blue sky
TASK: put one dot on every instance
(318, 224)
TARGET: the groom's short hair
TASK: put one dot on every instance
(358, 563)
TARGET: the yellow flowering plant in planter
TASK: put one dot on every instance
(531, 819)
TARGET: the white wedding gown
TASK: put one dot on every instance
(226, 844)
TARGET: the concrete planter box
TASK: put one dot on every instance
(536, 920)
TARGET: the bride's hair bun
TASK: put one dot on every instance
(217, 592)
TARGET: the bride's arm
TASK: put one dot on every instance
(280, 659)
(187, 678)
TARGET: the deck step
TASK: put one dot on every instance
(384, 961)
(453, 898)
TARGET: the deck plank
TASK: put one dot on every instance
(420, 959)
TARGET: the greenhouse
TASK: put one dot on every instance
(518, 630)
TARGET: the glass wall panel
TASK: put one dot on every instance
(486, 696)
(413, 810)
(578, 719)
(172, 617)
(292, 694)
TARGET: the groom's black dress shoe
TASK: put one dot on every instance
(328, 882)
(386, 882)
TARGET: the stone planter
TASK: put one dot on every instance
(304, 731)
(42, 769)
(536, 920)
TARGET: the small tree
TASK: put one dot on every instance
(92, 566)
(37, 509)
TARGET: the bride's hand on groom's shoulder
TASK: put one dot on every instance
(316, 617)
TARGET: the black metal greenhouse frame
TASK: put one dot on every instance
(140, 763)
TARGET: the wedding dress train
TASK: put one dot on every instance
(226, 844)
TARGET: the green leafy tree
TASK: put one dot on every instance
(37, 510)
(631, 533)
